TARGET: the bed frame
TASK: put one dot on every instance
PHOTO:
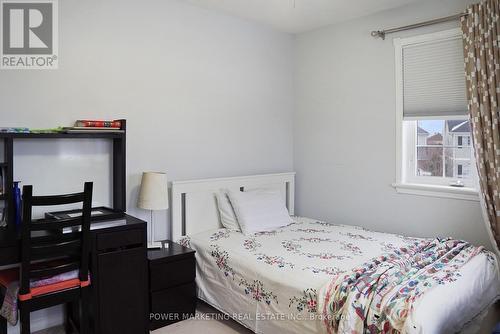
(194, 210)
(194, 207)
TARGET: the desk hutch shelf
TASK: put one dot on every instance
(118, 169)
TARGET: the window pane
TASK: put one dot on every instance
(459, 162)
(429, 161)
(457, 132)
(443, 150)
(430, 132)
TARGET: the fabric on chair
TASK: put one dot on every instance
(9, 305)
(10, 280)
(481, 36)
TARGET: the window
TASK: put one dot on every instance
(434, 152)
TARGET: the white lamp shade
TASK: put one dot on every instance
(153, 194)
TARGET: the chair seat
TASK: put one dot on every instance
(42, 286)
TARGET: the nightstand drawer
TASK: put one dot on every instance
(170, 274)
(172, 305)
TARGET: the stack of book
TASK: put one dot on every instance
(88, 126)
(14, 130)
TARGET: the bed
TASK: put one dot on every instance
(277, 281)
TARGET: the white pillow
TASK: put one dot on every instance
(261, 210)
(226, 212)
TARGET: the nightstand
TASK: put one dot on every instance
(172, 289)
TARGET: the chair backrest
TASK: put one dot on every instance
(54, 253)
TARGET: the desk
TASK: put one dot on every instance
(119, 272)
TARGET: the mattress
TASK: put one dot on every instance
(269, 281)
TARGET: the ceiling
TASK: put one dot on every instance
(296, 16)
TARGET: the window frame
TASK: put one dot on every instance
(403, 183)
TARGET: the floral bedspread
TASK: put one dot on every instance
(378, 296)
(275, 282)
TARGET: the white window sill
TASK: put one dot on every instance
(467, 194)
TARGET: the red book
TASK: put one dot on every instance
(98, 124)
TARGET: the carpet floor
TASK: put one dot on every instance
(210, 321)
(207, 321)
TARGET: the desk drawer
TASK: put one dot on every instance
(111, 240)
(171, 274)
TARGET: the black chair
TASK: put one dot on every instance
(47, 254)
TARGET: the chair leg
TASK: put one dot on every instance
(3, 325)
(68, 326)
(24, 320)
(84, 309)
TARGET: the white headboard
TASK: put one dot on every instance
(194, 207)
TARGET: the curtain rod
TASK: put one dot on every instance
(383, 33)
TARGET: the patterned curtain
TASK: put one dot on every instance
(481, 35)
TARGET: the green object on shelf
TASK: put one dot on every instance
(53, 130)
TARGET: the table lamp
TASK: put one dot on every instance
(153, 195)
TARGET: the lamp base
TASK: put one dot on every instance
(154, 245)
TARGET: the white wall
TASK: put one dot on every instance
(205, 95)
(344, 131)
